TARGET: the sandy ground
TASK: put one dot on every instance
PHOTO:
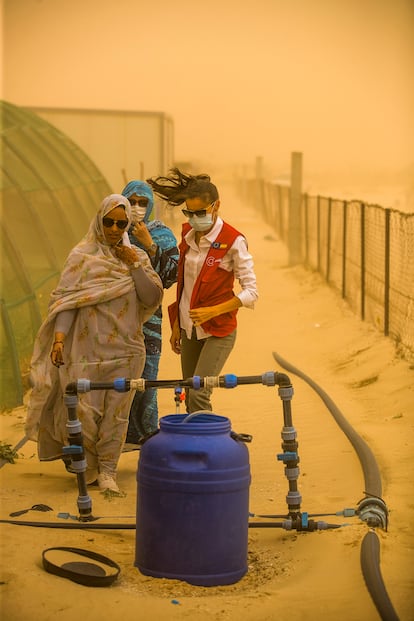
(299, 576)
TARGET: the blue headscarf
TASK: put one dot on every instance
(140, 188)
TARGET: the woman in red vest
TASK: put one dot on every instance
(212, 254)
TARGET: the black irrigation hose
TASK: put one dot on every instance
(370, 557)
(370, 564)
(71, 525)
(94, 526)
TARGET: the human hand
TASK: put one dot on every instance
(56, 355)
(142, 234)
(200, 315)
(126, 254)
(175, 339)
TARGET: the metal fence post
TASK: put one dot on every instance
(344, 241)
(362, 221)
(387, 273)
(294, 234)
(328, 240)
(306, 220)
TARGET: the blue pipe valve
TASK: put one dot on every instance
(72, 449)
(287, 456)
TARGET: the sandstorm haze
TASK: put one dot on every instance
(330, 78)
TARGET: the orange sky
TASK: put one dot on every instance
(241, 78)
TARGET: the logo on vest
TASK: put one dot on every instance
(218, 245)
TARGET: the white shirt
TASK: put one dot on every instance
(237, 259)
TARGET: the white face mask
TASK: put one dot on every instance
(201, 224)
(138, 213)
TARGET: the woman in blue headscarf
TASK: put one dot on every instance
(159, 242)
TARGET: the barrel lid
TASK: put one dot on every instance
(70, 563)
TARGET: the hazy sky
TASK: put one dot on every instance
(240, 78)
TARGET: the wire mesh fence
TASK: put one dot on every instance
(365, 252)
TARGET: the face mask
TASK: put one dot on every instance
(201, 224)
(138, 213)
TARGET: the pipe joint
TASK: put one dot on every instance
(210, 382)
(70, 400)
(293, 500)
(83, 385)
(288, 434)
(374, 512)
(78, 466)
(71, 388)
(230, 380)
(282, 379)
(269, 379)
(137, 384)
(84, 502)
(74, 426)
(292, 474)
(286, 393)
(121, 384)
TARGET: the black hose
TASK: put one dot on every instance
(125, 526)
(71, 525)
(370, 563)
(370, 557)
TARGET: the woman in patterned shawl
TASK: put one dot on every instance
(93, 330)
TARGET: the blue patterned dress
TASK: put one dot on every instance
(143, 417)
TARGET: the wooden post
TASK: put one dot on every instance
(363, 257)
(260, 183)
(344, 248)
(387, 273)
(259, 167)
(295, 234)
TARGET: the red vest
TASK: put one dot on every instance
(213, 285)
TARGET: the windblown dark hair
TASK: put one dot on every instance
(177, 186)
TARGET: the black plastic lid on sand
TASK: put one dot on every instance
(69, 563)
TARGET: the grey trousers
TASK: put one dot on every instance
(205, 357)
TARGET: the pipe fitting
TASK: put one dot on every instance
(83, 385)
(285, 393)
(374, 512)
(74, 426)
(293, 499)
(288, 434)
(269, 379)
(292, 474)
(70, 400)
(137, 384)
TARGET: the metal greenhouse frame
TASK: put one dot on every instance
(50, 190)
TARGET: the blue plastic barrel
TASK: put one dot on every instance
(193, 483)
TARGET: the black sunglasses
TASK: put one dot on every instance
(200, 213)
(142, 202)
(109, 223)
